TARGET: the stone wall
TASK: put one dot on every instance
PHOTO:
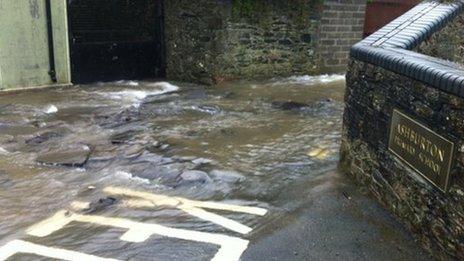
(216, 40)
(194, 38)
(447, 44)
(270, 38)
(434, 217)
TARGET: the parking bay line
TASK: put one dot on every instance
(192, 207)
(194, 211)
(231, 248)
(175, 201)
(20, 246)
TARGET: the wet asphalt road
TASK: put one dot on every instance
(338, 223)
(272, 145)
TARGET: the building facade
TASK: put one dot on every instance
(47, 42)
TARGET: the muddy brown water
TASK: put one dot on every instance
(250, 143)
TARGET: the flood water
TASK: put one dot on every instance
(270, 144)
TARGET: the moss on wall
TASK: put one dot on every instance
(448, 43)
(261, 11)
(216, 40)
(269, 38)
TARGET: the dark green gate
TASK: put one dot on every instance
(116, 39)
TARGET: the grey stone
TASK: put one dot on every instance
(115, 120)
(122, 137)
(166, 174)
(6, 183)
(194, 176)
(202, 161)
(245, 41)
(229, 176)
(287, 42)
(288, 105)
(155, 159)
(134, 151)
(68, 157)
(184, 158)
(100, 205)
(306, 38)
(44, 137)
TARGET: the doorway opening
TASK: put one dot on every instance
(116, 39)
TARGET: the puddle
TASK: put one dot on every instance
(245, 142)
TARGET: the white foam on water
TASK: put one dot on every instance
(129, 176)
(308, 80)
(51, 109)
(164, 85)
(135, 97)
(3, 151)
(129, 83)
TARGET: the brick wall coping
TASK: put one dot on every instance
(390, 47)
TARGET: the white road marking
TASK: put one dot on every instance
(19, 246)
(214, 218)
(48, 226)
(197, 212)
(160, 200)
(231, 248)
(79, 205)
(192, 207)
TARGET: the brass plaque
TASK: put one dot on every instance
(422, 149)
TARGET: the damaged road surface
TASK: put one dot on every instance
(157, 171)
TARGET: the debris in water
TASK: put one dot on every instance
(345, 194)
(99, 205)
(319, 153)
(314, 152)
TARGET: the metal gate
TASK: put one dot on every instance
(116, 39)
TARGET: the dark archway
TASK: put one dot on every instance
(116, 39)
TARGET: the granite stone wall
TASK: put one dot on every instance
(435, 218)
(270, 38)
(447, 44)
(194, 38)
(212, 41)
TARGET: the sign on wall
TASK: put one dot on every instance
(422, 149)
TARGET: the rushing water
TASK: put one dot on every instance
(249, 143)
